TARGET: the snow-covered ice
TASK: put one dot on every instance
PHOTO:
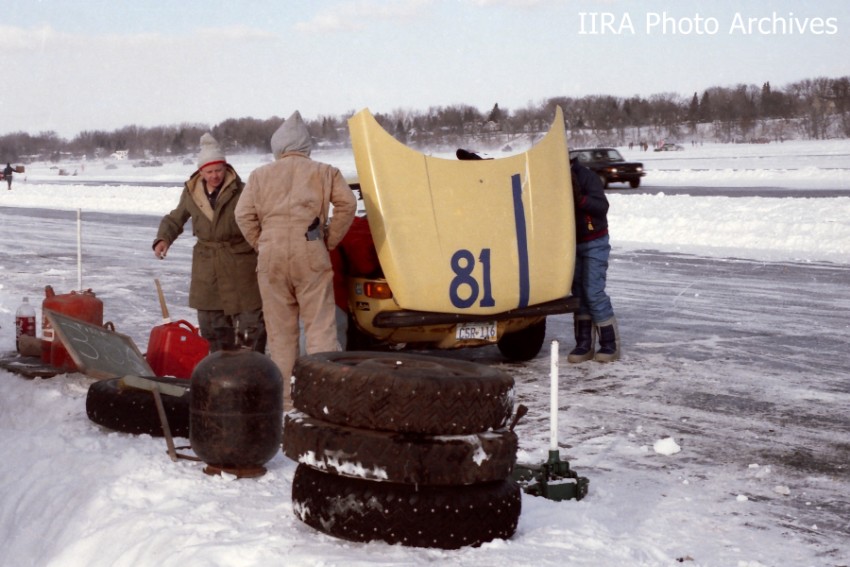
(721, 438)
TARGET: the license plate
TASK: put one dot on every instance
(476, 331)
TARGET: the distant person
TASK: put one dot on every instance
(284, 215)
(224, 286)
(595, 316)
(7, 175)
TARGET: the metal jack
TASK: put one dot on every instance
(552, 479)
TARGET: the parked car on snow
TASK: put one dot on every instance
(669, 147)
(148, 163)
(463, 253)
(609, 165)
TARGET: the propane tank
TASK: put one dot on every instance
(24, 322)
(236, 411)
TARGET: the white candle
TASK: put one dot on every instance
(553, 395)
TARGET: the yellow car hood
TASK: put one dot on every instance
(474, 237)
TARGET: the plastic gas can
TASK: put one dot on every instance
(174, 349)
(24, 322)
(82, 305)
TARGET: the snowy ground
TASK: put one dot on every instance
(734, 316)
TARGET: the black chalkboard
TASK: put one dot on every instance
(97, 351)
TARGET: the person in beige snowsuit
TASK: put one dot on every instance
(283, 214)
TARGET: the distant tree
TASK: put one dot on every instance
(667, 110)
(839, 95)
(330, 130)
(637, 112)
(705, 110)
(178, 143)
(766, 101)
(693, 111)
(495, 114)
(400, 132)
(470, 113)
(451, 119)
(744, 107)
(811, 95)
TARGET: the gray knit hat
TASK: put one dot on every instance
(211, 151)
(292, 136)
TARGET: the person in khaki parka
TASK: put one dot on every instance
(224, 286)
(283, 214)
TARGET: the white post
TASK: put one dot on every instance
(79, 253)
(553, 396)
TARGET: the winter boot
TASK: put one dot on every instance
(583, 327)
(609, 341)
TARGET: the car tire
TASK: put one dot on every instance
(446, 517)
(525, 344)
(404, 458)
(129, 410)
(634, 183)
(407, 393)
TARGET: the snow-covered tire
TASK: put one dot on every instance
(399, 457)
(446, 517)
(525, 344)
(408, 393)
(130, 410)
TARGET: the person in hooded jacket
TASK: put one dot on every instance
(595, 316)
(224, 286)
(8, 171)
(284, 215)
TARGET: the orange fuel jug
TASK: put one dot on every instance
(82, 305)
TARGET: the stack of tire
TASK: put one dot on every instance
(403, 448)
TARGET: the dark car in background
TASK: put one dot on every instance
(609, 165)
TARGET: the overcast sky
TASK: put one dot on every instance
(103, 64)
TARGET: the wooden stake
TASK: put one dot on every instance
(166, 318)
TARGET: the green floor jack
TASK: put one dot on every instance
(552, 479)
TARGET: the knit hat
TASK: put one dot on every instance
(292, 136)
(210, 152)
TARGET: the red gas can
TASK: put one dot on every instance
(81, 305)
(174, 349)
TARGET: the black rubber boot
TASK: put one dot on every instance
(609, 341)
(583, 327)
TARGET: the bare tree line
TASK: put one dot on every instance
(809, 109)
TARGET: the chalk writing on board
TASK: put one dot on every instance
(97, 351)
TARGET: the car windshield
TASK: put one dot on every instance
(597, 155)
(610, 155)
